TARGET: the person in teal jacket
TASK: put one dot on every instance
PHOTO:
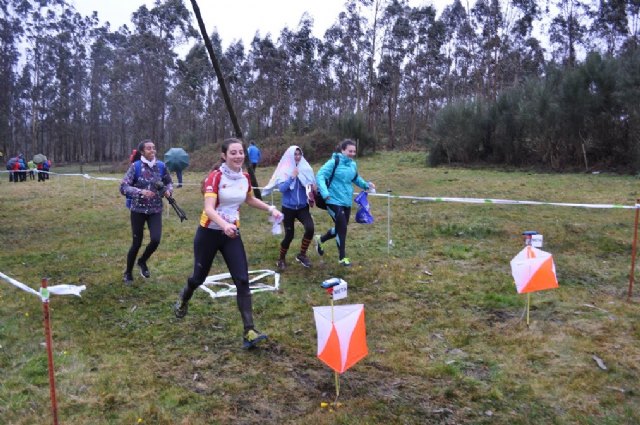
(337, 191)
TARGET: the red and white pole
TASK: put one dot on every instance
(633, 251)
(44, 292)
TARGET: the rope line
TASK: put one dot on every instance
(415, 198)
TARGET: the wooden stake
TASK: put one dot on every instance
(47, 332)
(633, 252)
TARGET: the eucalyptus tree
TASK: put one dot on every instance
(197, 85)
(11, 31)
(21, 110)
(633, 16)
(458, 50)
(423, 72)
(121, 100)
(103, 76)
(397, 44)
(186, 115)
(610, 24)
(525, 57)
(235, 66)
(70, 82)
(268, 89)
(346, 48)
(300, 48)
(46, 32)
(156, 33)
(569, 29)
(491, 30)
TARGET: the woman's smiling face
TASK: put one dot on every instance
(349, 151)
(234, 157)
(149, 151)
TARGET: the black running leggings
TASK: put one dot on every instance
(290, 216)
(154, 221)
(340, 216)
(206, 245)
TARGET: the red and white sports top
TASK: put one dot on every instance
(229, 194)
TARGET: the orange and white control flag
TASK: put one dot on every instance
(342, 340)
(533, 270)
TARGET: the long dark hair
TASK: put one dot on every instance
(137, 153)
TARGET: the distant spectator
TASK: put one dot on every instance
(254, 155)
(46, 166)
(39, 167)
(32, 167)
(14, 166)
(21, 168)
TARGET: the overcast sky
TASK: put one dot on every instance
(238, 19)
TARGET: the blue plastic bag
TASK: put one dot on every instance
(363, 215)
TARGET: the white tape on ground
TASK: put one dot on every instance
(229, 289)
(56, 290)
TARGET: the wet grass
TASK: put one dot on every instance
(447, 339)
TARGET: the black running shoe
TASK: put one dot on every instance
(127, 278)
(144, 270)
(319, 247)
(304, 260)
(181, 308)
(281, 265)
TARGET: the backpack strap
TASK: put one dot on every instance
(138, 170)
(162, 168)
(335, 165)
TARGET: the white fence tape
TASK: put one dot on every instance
(421, 198)
(503, 201)
(43, 295)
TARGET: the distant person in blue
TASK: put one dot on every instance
(342, 170)
(254, 155)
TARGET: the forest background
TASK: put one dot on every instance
(476, 83)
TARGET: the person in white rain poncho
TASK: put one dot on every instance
(295, 179)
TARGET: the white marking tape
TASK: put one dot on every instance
(229, 289)
(504, 201)
(428, 198)
(44, 295)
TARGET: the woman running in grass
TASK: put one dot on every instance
(292, 176)
(335, 181)
(225, 189)
(140, 185)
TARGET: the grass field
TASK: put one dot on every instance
(448, 343)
